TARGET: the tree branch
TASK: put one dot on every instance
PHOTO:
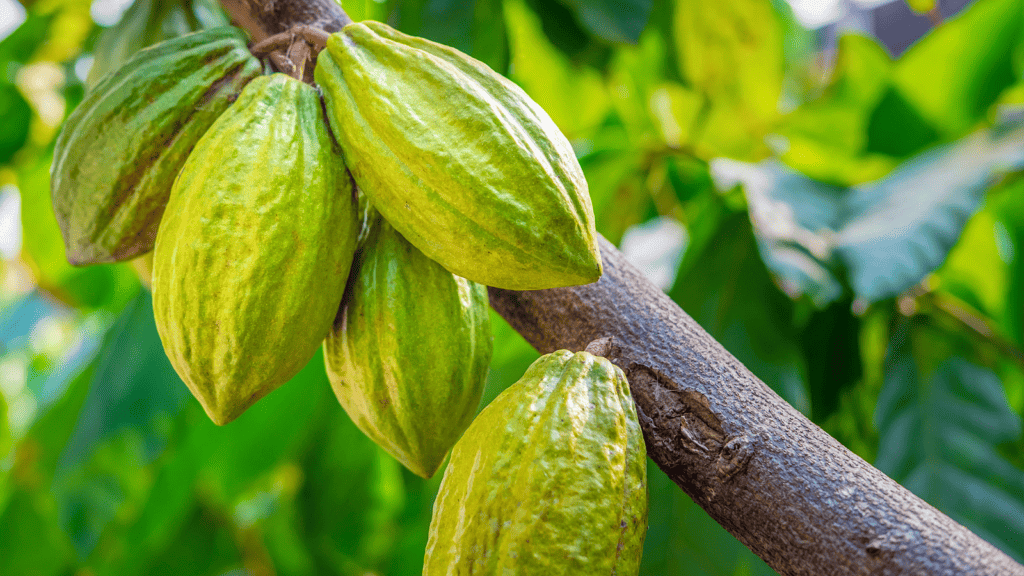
(786, 489)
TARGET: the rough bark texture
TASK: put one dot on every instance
(786, 489)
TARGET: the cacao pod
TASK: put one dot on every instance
(549, 479)
(119, 151)
(459, 160)
(254, 251)
(145, 23)
(409, 351)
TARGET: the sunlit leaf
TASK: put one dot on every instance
(732, 52)
(900, 228)
(939, 433)
(954, 73)
(573, 96)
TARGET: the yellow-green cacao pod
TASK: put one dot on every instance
(121, 148)
(549, 479)
(459, 160)
(255, 248)
(409, 351)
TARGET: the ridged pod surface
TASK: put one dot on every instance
(145, 23)
(121, 148)
(254, 251)
(549, 479)
(409, 352)
(459, 160)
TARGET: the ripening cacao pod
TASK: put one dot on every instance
(549, 479)
(121, 148)
(254, 251)
(409, 351)
(459, 160)
(145, 23)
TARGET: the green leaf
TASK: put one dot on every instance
(20, 45)
(574, 96)
(475, 27)
(134, 386)
(789, 212)
(900, 228)
(957, 71)
(612, 20)
(885, 235)
(17, 115)
(939, 433)
(731, 51)
(827, 138)
(729, 292)
(32, 543)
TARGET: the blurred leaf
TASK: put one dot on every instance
(134, 386)
(939, 433)
(975, 270)
(731, 52)
(17, 115)
(831, 346)
(954, 73)
(223, 461)
(683, 540)
(897, 128)
(564, 31)
(887, 234)
(614, 21)
(573, 96)
(476, 27)
(32, 543)
(790, 214)
(729, 292)
(826, 138)
(900, 228)
(22, 43)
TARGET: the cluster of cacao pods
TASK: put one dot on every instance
(367, 222)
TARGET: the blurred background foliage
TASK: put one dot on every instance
(831, 188)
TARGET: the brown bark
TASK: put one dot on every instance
(786, 489)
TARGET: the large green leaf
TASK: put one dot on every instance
(475, 27)
(940, 429)
(886, 235)
(957, 71)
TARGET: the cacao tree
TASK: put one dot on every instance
(858, 252)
